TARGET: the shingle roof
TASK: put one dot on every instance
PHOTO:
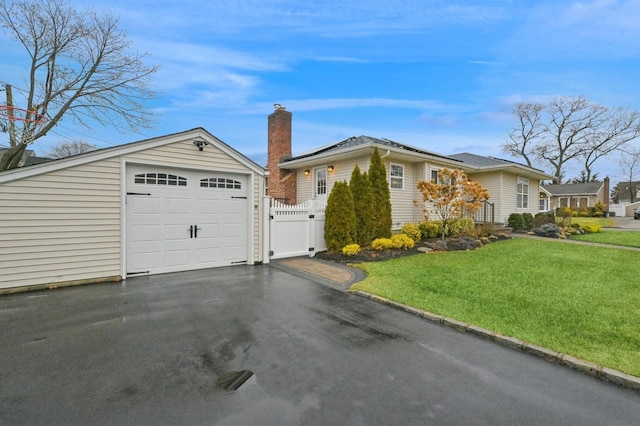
(574, 188)
(482, 161)
(367, 140)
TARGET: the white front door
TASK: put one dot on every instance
(320, 183)
(178, 220)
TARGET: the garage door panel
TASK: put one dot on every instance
(158, 225)
(143, 205)
(145, 233)
(177, 206)
(174, 258)
(179, 232)
(144, 261)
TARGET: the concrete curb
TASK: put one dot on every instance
(586, 367)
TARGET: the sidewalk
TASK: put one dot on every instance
(332, 274)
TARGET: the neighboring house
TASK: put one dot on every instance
(173, 203)
(29, 158)
(513, 187)
(575, 195)
(627, 192)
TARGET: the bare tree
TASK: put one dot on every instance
(569, 129)
(68, 149)
(524, 135)
(81, 66)
(630, 165)
(620, 127)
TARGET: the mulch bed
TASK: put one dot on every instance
(369, 255)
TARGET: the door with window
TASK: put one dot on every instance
(320, 183)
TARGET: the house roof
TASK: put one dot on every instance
(588, 188)
(355, 146)
(105, 153)
(361, 141)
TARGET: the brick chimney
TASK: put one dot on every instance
(282, 183)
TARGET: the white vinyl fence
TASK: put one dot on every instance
(296, 230)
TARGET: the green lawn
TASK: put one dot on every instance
(619, 238)
(578, 300)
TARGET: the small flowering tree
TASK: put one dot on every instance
(452, 197)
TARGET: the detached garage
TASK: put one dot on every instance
(174, 203)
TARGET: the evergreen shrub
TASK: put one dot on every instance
(340, 218)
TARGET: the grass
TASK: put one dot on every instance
(619, 238)
(578, 300)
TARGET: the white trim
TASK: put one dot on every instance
(391, 177)
(524, 181)
(103, 154)
(433, 169)
(249, 182)
(315, 181)
(123, 213)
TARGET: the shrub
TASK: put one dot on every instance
(382, 244)
(381, 196)
(362, 193)
(402, 241)
(484, 230)
(548, 230)
(527, 221)
(464, 226)
(351, 250)
(515, 222)
(412, 231)
(340, 218)
(541, 218)
(430, 228)
(591, 228)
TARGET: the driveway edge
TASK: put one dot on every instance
(586, 367)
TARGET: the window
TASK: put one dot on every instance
(574, 202)
(396, 176)
(160, 179)
(321, 181)
(544, 204)
(434, 175)
(220, 183)
(522, 194)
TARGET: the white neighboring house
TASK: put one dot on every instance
(173, 203)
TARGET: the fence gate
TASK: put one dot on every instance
(296, 230)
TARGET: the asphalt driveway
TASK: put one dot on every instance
(165, 350)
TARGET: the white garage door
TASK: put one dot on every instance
(177, 220)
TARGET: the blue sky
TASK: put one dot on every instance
(440, 75)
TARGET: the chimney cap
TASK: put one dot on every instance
(278, 107)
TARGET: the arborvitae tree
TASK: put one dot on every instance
(362, 193)
(381, 196)
(340, 218)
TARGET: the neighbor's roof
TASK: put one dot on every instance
(589, 188)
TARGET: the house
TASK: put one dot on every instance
(173, 203)
(29, 158)
(626, 192)
(513, 187)
(575, 195)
